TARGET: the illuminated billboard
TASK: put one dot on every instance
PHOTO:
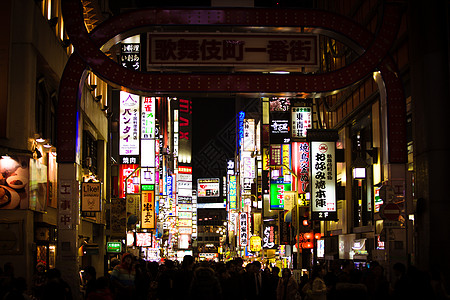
(208, 187)
(277, 194)
(129, 124)
(323, 181)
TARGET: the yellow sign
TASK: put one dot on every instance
(148, 210)
(255, 243)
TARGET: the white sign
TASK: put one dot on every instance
(148, 117)
(148, 153)
(211, 205)
(208, 187)
(249, 135)
(243, 229)
(185, 207)
(129, 124)
(184, 177)
(148, 176)
(301, 121)
(323, 181)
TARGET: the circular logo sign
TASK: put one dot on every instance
(323, 148)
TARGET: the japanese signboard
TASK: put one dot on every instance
(300, 121)
(133, 203)
(148, 176)
(185, 131)
(214, 49)
(130, 55)
(243, 229)
(113, 247)
(280, 132)
(208, 187)
(269, 237)
(148, 153)
(300, 163)
(129, 124)
(249, 135)
(255, 243)
(148, 210)
(143, 239)
(148, 122)
(232, 192)
(67, 192)
(323, 181)
(130, 186)
(277, 193)
(91, 196)
(248, 166)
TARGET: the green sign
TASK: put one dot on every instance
(277, 194)
(148, 187)
(114, 247)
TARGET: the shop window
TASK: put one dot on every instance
(89, 152)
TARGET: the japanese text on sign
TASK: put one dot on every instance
(300, 50)
(243, 230)
(323, 185)
(148, 210)
(301, 164)
(129, 124)
(130, 56)
(301, 121)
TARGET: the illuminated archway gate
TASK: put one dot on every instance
(88, 54)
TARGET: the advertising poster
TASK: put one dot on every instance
(38, 185)
(14, 182)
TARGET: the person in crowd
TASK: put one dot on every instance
(122, 278)
(349, 284)
(6, 278)
(153, 271)
(18, 290)
(233, 289)
(223, 275)
(205, 285)
(39, 280)
(376, 282)
(316, 288)
(56, 288)
(256, 281)
(438, 283)
(142, 280)
(345, 273)
(399, 289)
(166, 280)
(89, 277)
(272, 284)
(101, 290)
(184, 276)
(287, 288)
(304, 280)
(331, 278)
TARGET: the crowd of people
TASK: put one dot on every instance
(133, 278)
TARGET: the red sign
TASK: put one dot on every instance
(390, 211)
(132, 185)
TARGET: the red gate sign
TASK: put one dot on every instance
(390, 211)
